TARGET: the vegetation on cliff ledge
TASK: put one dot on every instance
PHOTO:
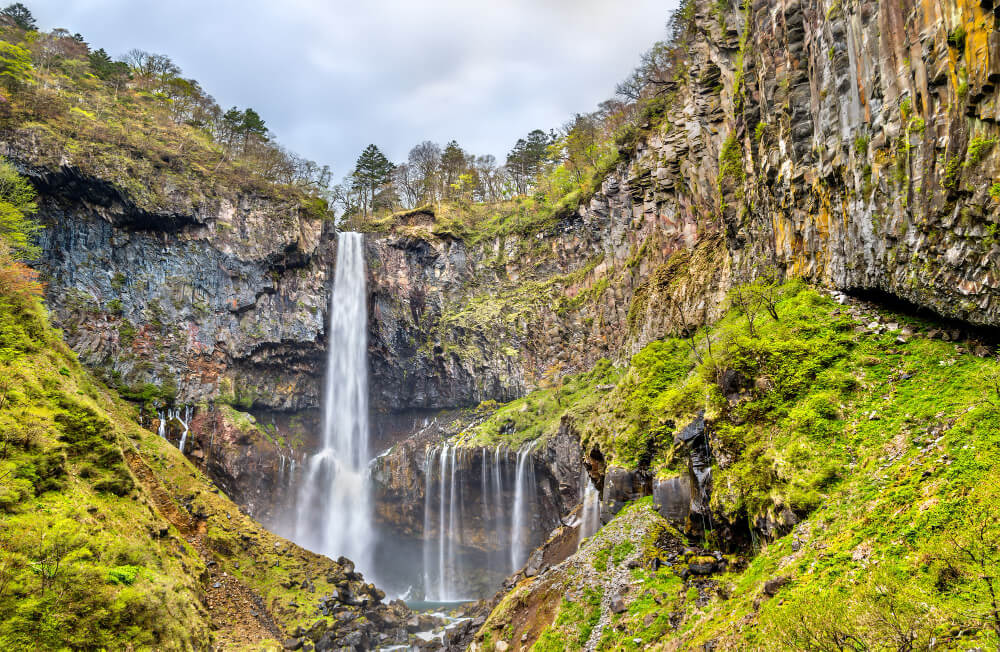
(853, 447)
(139, 124)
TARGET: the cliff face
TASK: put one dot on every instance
(220, 299)
(850, 143)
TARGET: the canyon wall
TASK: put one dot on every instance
(849, 142)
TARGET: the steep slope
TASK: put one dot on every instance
(850, 482)
(110, 538)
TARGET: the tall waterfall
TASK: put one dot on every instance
(334, 508)
(590, 513)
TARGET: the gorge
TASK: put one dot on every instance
(721, 375)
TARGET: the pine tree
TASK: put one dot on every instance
(525, 161)
(372, 171)
(453, 164)
(105, 68)
(253, 125)
(21, 16)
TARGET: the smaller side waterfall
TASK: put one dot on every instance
(524, 499)
(184, 422)
(443, 571)
(590, 512)
(174, 414)
(482, 516)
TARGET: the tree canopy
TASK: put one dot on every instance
(21, 16)
(372, 171)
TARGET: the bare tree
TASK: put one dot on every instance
(424, 162)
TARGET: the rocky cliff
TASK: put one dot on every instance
(851, 143)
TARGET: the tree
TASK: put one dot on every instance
(371, 172)
(252, 125)
(15, 65)
(153, 70)
(424, 163)
(17, 234)
(242, 127)
(17, 205)
(453, 165)
(525, 161)
(18, 13)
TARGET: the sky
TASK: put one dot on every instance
(331, 76)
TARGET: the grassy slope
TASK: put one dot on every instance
(61, 114)
(884, 451)
(108, 535)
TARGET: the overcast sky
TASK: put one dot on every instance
(330, 76)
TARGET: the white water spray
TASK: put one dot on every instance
(590, 513)
(334, 508)
(524, 500)
(184, 422)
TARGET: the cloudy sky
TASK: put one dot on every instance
(330, 76)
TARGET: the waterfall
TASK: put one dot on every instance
(524, 497)
(590, 513)
(333, 514)
(449, 473)
(428, 486)
(454, 525)
(441, 579)
(161, 430)
(184, 422)
(497, 490)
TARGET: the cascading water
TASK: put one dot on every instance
(450, 473)
(524, 498)
(184, 422)
(174, 414)
(590, 513)
(333, 514)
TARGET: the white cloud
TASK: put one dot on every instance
(330, 76)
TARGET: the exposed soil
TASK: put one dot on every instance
(239, 616)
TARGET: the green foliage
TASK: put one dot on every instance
(994, 191)
(952, 172)
(17, 205)
(731, 163)
(124, 574)
(21, 16)
(139, 125)
(978, 147)
(15, 65)
(956, 37)
(107, 69)
(537, 415)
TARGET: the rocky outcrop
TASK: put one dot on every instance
(223, 298)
